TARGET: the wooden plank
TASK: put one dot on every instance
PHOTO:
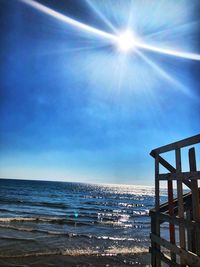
(187, 203)
(195, 199)
(165, 258)
(170, 168)
(180, 202)
(189, 257)
(193, 175)
(176, 145)
(188, 223)
(166, 164)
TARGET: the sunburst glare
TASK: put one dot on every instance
(149, 28)
(126, 41)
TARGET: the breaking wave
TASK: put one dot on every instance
(82, 252)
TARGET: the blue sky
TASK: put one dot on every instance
(75, 108)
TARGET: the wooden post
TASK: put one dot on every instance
(171, 213)
(180, 203)
(157, 189)
(154, 260)
(195, 201)
(189, 231)
(155, 222)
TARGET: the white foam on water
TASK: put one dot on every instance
(82, 252)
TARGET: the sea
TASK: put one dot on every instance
(46, 223)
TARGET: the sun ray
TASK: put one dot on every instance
(168, 52)
(164, 74)
(95, 9)
(69, 20)
(174, 29)
(73, 50)
(111, 37)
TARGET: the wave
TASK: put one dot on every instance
(82, 252)
(19, 212)
(121, 238)
(6, 221)
(59, 205)
(67, 234)
(26, 229)
(14, 219)
(17, 238)
(82, 219)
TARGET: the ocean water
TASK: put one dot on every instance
(40, 219)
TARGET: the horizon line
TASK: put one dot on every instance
(68, 181)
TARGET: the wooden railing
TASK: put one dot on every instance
(182, 214)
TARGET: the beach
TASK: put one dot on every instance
(131, 260)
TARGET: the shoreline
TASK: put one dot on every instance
(138, 259)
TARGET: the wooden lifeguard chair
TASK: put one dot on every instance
(181, 214)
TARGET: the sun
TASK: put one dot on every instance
(126, 41)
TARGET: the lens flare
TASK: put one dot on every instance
(126, 41)
(69, 20)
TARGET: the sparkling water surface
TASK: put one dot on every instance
(57, 218)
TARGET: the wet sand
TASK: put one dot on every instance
(133, 260)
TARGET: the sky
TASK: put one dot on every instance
(75, 107)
